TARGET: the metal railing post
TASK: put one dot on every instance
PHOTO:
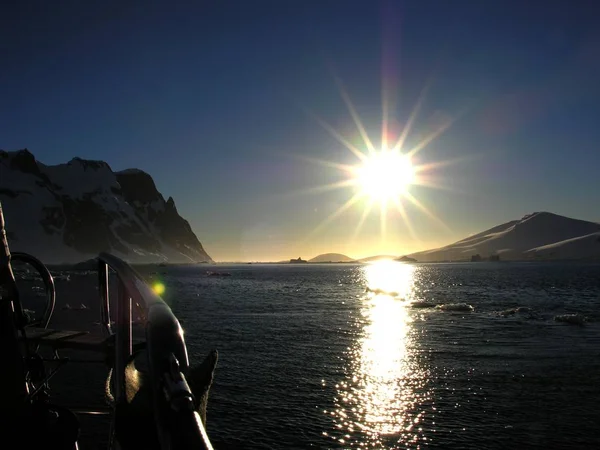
(123, 345)
(104, 296)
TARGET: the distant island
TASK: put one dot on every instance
(325, 258)
(406, 259)
(331, 258)
(298, 261)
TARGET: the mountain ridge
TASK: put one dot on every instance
(70, 212)
(539, 235)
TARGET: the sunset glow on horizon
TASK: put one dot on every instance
(280, 136)
(381, 180)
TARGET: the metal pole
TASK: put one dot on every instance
(104, 296)
(123, 345)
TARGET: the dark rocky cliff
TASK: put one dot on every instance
(75, 210)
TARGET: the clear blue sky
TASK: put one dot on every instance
(210, 98)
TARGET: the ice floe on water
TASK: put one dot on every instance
(573, 319)
(452, 307)
(523, 312)
(423, 304)
(520, 311)
(456, 307)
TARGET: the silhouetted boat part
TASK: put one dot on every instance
(153, 406)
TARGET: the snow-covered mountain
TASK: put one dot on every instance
(71, 212)
(537, 236)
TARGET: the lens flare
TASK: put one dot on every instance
(158, 288)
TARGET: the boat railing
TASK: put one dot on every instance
(167, 356)
(24, 381)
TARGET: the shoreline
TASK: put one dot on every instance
(149, 266)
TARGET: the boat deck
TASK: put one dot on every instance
(78, 340)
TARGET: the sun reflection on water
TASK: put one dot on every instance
(377, 405)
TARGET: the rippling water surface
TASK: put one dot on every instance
(363, 356)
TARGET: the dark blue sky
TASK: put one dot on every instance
(210, 98)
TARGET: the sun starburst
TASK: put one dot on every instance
(385, 175)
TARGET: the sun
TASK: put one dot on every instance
(384, 175)
(390, 175)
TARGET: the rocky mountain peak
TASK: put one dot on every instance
(71, 212)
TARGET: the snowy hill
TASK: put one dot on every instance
(330, 257)
(541, 235)
(583, 247)
(71, 212)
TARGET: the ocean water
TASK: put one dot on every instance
(359, 356)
